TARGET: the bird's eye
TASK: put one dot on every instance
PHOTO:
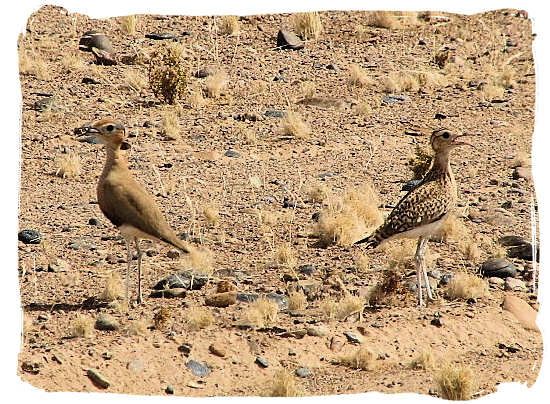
(446, 135)
(110, 128)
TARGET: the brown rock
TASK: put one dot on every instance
(221, 299)
(217, 350)
(522, 172)
(521, 310)
(337, 343)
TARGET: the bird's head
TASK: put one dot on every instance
(109, 131)
(445, 140)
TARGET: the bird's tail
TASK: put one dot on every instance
(179, 244)
(371, 241)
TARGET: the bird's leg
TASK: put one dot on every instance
(418, 262)
(129, 261)
(424, 247)
(139, 254)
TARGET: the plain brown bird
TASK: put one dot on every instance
(421, 212)
(124, 201)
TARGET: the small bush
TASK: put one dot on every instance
(113, 288)
(168, 75)
(294, 125)
(465, 286)
(455, 382)
(228, 25)
(199, 318)
(297, 300)
(307, 25)
(262, 313)
(67, 165)
(284, 385)
(82, 326)
(363, 358)
(359, 77)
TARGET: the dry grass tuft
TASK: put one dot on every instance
(216, 83)
(134, 80)
(494, 249)
(307, 25)
(114, 288)
(136, 327)
(170, 124)
(363, 358)
(455, 382)
(293, 125)
(284, 385)
(67, 165)
(199, 318)
(405, 81)
(196, 99)
(400, 253)
(297, 300)
(469, 247)
(31, 63)
(358, 77)
(382, 19)
(128, 24)
(229, 25)
(346, 219)
(452, 229)
(262, 313)
(342, 308)
(72, 62)
(362, 109)
(82, 326)
(307, 89)
(386, 289)
(465, 286)
(161, 318)
(493, 92)
(200, 258)
(285, 256)
(212, 215)
(425, 361)
(268, 218)
(421, 162)
(521, 159)
(362, 263)
(317, 193)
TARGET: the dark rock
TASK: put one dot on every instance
(353, 337)
(446, 278)
(197, 368)
(410, 185)
(511, 240)
(498, 267)
(95, 39)
(262, 362)
(206, 71)
(31, 366)
(327, 174)
(217, 349)
(391, 99)
(247, 297)
(440, 116)
(186, 280)
(93, 221)
(315, 216)
(89, 80)
(169, 390)
(303, 372)
(332, 67)
(288, 40)
(437, 321)
(45, 104)
(160, 36)
(30, 237)
(523, 252)
(169, 293)
(281, 300)
(421, 42)
(185, 349)
(232, 153)
(306, 269)
(274, 113)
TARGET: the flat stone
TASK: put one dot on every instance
(522, 311)
(524, 252)
(106, 322)
(262, 362)
(98, 379)
(337, 342)
(59, 265)
(169, 293)
(498, 267)
(514, 284)
(353, 337)
(307, 269)
(232, 153)
(187, 280)
(522, 172)
(273, 113)
(30, 237)
(512, 240)
(160, 36)
(206, 71)
(392, 99)
(496, 281)
(288, 40)
(197, 368)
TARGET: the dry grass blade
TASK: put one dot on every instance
(114, 288)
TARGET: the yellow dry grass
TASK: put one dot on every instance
(348, 218)
(307, 25)
(200, 258)
(382, 19)
(455, 382)
(358, 77)
(216, 83)
(363, 358)
(67, 165)
(211, 215)
(128, 24)
(198, 318)
(285, 256)
(135, 80)
(284, 385)
(170, 124)
(341, 309)
(228, 25)
(82, 326)
(136, 328)
(293, 125)
(114, 288)
(297, 300)
(32, 63)
(262, 313)
(465, 286)
(317, 193)
(425, 360)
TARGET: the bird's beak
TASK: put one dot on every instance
(462, 142)
(86, 130)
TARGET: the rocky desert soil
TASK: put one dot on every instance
(231, 182)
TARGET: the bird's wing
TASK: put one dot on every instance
(421, 206)
(132, 205)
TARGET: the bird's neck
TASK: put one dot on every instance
(114, 161)
(441, 167)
